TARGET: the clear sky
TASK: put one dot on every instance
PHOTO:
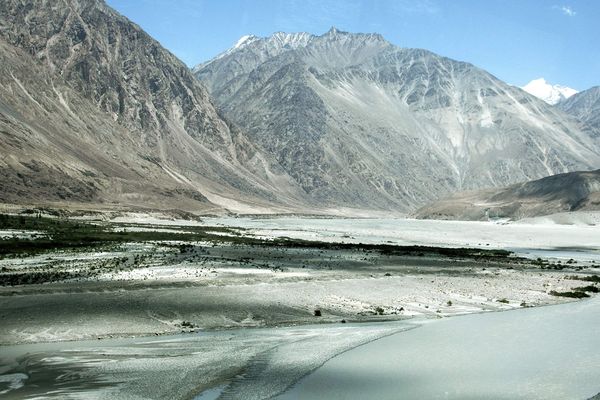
(516, 40)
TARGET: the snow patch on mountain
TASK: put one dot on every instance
(240, 44)
(246, 39)
(291, 40)
(551, 94)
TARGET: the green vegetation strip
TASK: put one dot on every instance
(62, 234)
(69, 234)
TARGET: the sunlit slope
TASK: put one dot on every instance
(574, 191)
(356, 120)
(95, 110)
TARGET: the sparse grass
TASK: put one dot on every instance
(578, 292)
(25, 278)
(64, 235)
(68, 234)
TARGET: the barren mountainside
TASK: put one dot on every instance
(91, 102)
(356, 120)
(574, 191)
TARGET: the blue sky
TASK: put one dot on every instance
(516, 40)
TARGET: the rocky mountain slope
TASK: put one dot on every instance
(574, 191)
(92, 109)
(585, 106)
(356, 120)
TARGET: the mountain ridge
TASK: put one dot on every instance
(572, 191)
(326, 107)
(299, 123)
(585, 107)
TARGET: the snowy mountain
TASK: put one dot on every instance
(551, 94)
(356, 120)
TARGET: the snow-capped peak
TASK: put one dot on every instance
(551, 94)
(291, 40)
(244, 40)
(241, 43)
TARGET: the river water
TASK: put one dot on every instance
(539, 353)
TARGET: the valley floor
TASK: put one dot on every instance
(307, 300)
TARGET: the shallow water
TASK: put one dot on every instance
(238, 363)
(211, 394)
(539, 353)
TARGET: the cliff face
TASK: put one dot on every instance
(115, 64)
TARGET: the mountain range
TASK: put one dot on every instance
(354, 119)
(95, 112)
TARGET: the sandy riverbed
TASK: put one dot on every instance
(164, 288)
